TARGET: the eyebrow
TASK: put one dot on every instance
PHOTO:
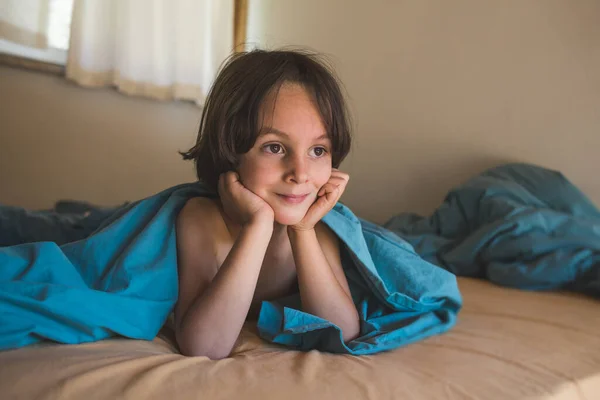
(268, 130)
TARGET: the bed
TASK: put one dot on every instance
(520, 243)
(507, 344)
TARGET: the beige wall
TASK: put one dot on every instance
(439, 91)
(58, 140)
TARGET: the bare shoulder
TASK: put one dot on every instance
(198, 214)
(200, 221)
(198, 209)
(198, 228)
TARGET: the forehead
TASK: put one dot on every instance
(292, 110)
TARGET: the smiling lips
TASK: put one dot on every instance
(293, 199)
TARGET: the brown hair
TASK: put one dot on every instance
(230, 117)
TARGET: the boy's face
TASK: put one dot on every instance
(291, 159)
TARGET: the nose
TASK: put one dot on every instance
(297, 170)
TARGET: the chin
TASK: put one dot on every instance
(289, 217)
(286, 214)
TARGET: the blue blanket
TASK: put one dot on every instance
(517, 225)
(115, 273)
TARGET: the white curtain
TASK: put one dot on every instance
(25, 22)
(164, 49)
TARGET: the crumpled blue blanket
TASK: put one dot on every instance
(114, 272)
(517, 225)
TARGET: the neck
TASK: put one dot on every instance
(279, 229)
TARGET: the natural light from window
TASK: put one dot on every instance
(59, 23)
(58, 20)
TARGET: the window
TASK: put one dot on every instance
(58, 21)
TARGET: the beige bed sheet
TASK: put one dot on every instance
(507, 344)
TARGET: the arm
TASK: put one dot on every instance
(323, 286)
(214, 302)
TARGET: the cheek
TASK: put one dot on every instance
(255, 175)
(321, 176)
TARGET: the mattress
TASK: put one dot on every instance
(507, 344)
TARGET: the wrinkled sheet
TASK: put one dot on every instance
(507, 344)
(517, 225)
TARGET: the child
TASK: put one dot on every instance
(273, 132)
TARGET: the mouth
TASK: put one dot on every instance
(293, 199)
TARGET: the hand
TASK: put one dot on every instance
(327, 197)
(241, 204)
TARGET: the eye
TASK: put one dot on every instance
(319, 151)
(273, 148)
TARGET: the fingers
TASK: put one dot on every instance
(338, 180)
(227, 180)
(329, 188)
(336, 174)
(330, 193)
(327, 196)
(230, 177)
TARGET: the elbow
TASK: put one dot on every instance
(211, 355)
(352, 330)
(195, 348)
(349, 335)
(201, 351)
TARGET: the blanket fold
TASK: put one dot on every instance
(517, 225)
(122, 280)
